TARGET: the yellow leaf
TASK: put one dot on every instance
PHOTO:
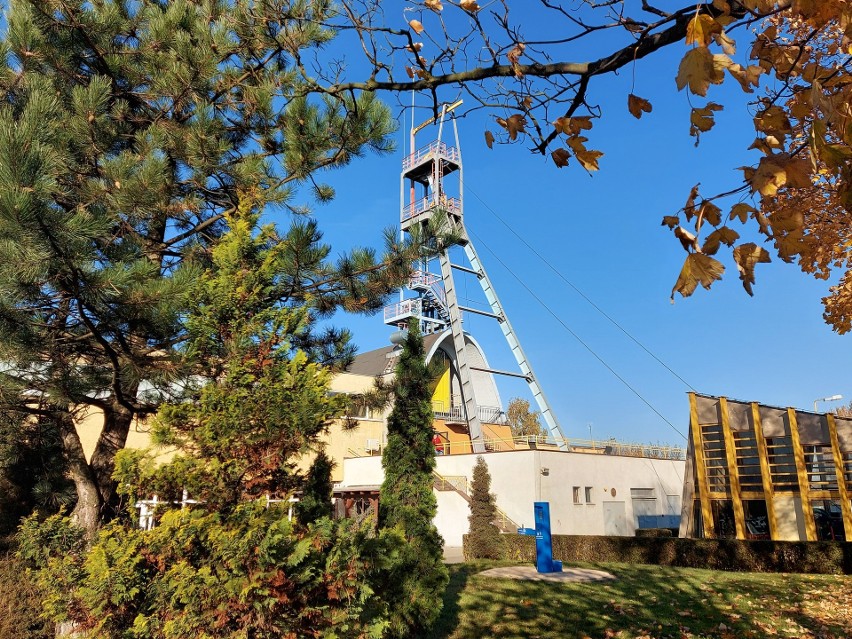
(701, 119)
(637, 105)
(489, 139)
(767, 178)
(772, 120)
(701, 30)
(698, 70)
(724, 235)
(416, 26)
(741, 210)
(470, 5)
(747, 256)
(747, 77)
(671, 221)
(697, 269)
(728, 45)
(560, 157)
(589, 159)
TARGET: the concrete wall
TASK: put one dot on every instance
(519, 478)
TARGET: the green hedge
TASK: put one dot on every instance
(716, 554)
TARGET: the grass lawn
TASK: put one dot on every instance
(647, 601)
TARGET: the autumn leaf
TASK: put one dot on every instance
(414, 48)
(560, 157)
(416, 26)
(573, 126)
(470, 5)
(514, 124)
(747, 256)
(689, 207)
(741, 210)
(702, 29)
(687, 239)
(724, 235)
(701, 119)
(637, 105)
(698, 70)
(710, 212)
(489, 139)
(697, 269)
(671, 221)
(728, 45)
(589, 159)
(748, 77)
(514, 56)
(435, 5)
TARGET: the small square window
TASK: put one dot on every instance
(577, 495)
(588, 494)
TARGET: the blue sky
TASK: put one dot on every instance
(603, 234)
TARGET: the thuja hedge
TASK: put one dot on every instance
(716, 554)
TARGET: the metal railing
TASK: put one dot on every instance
(532, 442)
(440, 148)
(451, 205)
(487, 414)
(403, 309)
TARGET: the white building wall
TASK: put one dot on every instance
(519, 478)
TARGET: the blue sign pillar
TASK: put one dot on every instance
(544, 560)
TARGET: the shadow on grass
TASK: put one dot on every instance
(646, 601)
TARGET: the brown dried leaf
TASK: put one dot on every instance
(741, 210)
(589, 159)
(416, 26)
(747, 256)
(513, 124)
(470, 5)
(489, 139)
(697, 269)
(724, 235)
(560, 157)
(414, 48)
(689, 207)
(435, 5)
(671, 221)
(687, 240)
(637, 105)
(514, 56)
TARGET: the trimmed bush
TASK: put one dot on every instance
(654, 532)
(816, 557)
(484, 540)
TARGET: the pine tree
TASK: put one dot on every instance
(483, 538)
(228, 565)
(407, 505)
(129, 132)
(315, 501)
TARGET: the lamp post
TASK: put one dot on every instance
(833, 398)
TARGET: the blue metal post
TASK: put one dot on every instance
(544, 560)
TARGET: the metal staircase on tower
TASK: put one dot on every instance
(436, 306)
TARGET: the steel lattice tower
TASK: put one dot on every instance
(436, 305)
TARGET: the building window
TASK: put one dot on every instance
(589, 494)
(358, 408)
(577, 495)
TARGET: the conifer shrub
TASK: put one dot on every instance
(484, 539)
(415, 583)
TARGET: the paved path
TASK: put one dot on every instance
(529, 573)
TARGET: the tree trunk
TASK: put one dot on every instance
(117, 422)
(87, 512)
